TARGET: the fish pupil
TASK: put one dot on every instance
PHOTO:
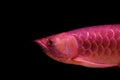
(50, 42)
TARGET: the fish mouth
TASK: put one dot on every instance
(56, 53)
(42, 45)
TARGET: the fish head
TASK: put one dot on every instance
(61, 47)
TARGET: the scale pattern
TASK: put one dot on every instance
(98, 40)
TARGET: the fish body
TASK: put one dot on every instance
(95, 46)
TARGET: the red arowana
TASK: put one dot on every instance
(95, 46)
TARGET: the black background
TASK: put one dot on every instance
(37, 23)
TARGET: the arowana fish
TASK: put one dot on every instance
(94, 47)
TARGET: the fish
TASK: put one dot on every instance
(92, 46)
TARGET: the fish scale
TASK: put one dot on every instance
(105, 44)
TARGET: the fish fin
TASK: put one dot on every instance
(86, 63)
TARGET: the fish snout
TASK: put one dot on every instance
(42, 43)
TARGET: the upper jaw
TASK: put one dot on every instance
(42, 44)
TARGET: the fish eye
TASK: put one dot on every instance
(50, 42)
